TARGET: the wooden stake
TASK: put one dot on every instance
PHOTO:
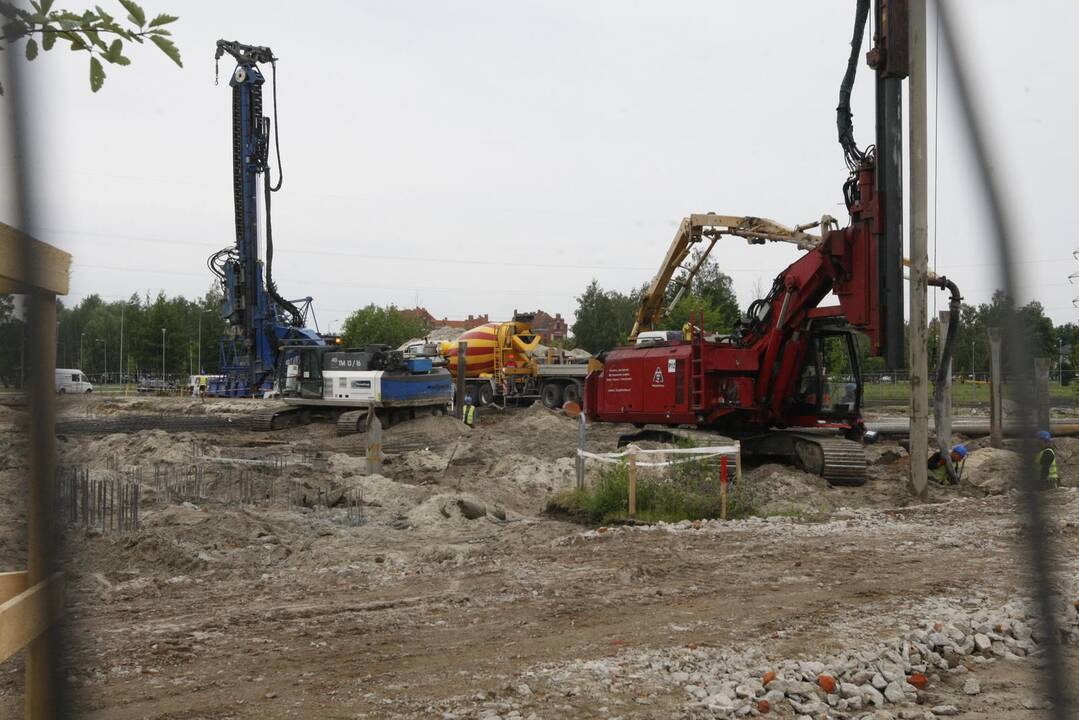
(581, 443)
(723, 487)
(996, 399)
(374, 443)
(632, 473)
(738, 463)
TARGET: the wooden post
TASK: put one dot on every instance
(738, 463)
(459, 396)
(996, 404)
(374, 443)
(1041, 391)
(39, 670)
(581, 444)
(723, 487)
(632, 475)
(919, 256)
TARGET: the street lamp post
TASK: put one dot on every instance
(162, 358)
(122, 345)
(81, 336)
(106, 345)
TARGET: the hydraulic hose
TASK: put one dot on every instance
(943, 368)
(844, 117)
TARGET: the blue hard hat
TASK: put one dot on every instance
(960, 451)
(1044, 435)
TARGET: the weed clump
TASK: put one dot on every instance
(689, 491)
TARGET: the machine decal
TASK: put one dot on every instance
(657, 378)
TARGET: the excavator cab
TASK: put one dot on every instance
(829, 385)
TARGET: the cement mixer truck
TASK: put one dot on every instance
(504, 363)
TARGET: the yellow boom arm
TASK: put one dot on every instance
(695, 229)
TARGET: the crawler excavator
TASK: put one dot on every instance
(786, 380)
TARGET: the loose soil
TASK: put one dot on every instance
(458, 597)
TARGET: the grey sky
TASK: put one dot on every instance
(545, 143)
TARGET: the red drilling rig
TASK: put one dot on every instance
(787, 379)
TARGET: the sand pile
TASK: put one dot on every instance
(142, 448)
(781, 489)
(392, 496)
(417, 464)
(992, 470)
(455, 509)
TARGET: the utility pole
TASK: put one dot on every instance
(122, 305)
(919, 255)
(1060, 361)
(81, 336)
(200, 341)
(162, 358)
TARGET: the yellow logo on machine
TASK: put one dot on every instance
(657, 377)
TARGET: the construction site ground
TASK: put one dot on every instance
(215, 610)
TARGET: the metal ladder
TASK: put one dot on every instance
(696, 366)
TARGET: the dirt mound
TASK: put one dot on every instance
(436, 428)
(142, 448)
(454, 509)
(544, 426)
(417, 464)
(992, 470)
(382, 492)
(782, 490)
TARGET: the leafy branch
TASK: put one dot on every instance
(95, 32)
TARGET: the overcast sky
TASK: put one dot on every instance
(477, 157)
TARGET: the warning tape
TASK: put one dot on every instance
(704, 453)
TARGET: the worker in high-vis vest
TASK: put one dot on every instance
(938, 470)
(1045, 462)
(469, 411)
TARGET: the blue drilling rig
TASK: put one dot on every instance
(260, 324)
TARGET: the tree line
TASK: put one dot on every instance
(90, 332)
(604, 319)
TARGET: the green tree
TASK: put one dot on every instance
(90, 331)
(11, 342)
(596, 326)
(93, 31)
(375, 325)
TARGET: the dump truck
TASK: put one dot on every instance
(505, 362)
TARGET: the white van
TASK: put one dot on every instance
(72, 381)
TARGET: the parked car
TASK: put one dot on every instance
(72, 381)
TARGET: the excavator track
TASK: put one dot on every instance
(837, 460)
(351, 422)
(279, 417)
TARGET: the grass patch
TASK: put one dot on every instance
(689, 492)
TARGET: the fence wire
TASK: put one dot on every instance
(1040, 550)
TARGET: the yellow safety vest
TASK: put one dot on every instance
(1054, 476)
(470, 412)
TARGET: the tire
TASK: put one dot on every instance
(89, 391)
(571, 393)
(63, 392)
(552, 396)
(485, 395)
